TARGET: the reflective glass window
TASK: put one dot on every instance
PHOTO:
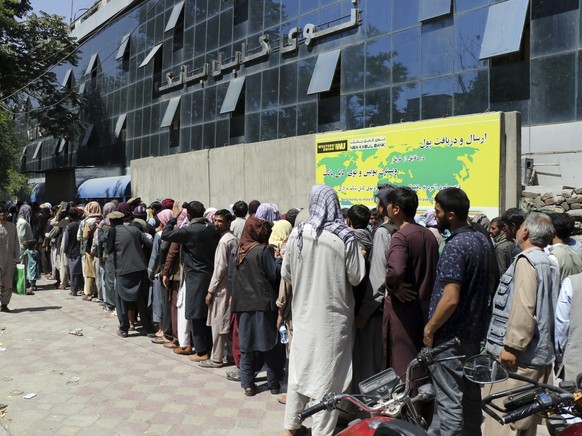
(200, 39)
(288, 84)
(212, 33)
(352, 68)
(378, 18)
(201, 10)
(378, 62)
(287, 122)
(328, 16)
(504, 28)
(253, 93)
(429, 9)
(406, 55)
(352, 110)
(437, 48)
(406, 102)
(222, 133)
(289, 9)
(208, 135)
(213, 8)
(306, 118)
(510, 82)
(466, 5)
(328, 113)
(471, 92)
(469, 30)
(405, 14)
(553, 89)
(554, 26)
(226, 28)
(269, 125)
(256, 9)
(304, 73)
(195, 138)
(210, 103)
(253, 127)
(197, 107)
(270, 97)
(378, 107)
(437, 98)
(306, 6)
(272, 13)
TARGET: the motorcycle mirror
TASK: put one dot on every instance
(484, 369)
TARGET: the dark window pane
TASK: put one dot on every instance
(212, 33)
(437, 48)
(437, 98)
(405, 14)
(198, 107)
(253, 93)
(306, 118)
(195, 139)
(208, 137)
(200, 39)
(307, 6)
(287, 122)
(554, 26)
(406, 55)
(378, 18)
(377, 107)
(255, 16)
(210, 104)
(253, 127)
(469, 30)
(226, 28)
(406, 102)
(510, 82)
(552, 89)
(471, 93)
(213, 8)
(288, 84)
(378, 62)
(328, 113)
(222, 133)
(201, 9)
(352, 109)
(270, 88)
(353, 73)
(465, 5)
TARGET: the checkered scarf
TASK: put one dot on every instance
(325, 214)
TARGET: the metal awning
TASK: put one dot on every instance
(323, 72)
(37, 149)
(123, 46)
(150, 55)
(175, 16)
(105, 187)
(87, 136)
(170, 112)
(119, 125)
(61, 145)
(504, 28)
(67, 80)
(82, 88)
(433, 8)
(92, 64)
(232, 95)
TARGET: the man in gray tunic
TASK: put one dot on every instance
(9, 257)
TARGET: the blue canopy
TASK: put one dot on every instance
(105, 187)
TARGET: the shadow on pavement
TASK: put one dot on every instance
(36, 309)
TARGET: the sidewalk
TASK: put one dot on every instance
(101, 384)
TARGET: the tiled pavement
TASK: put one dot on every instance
(125, 386)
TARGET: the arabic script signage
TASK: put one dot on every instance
(427, 156)
(287, 44)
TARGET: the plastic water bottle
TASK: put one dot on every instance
(283, 334)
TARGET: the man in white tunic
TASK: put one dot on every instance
(322, 263)
(9, 257)
(218, 296)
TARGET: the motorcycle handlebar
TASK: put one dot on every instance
(427, 355)
(312, 410)
(523, 412)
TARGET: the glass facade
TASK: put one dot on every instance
(392, 68)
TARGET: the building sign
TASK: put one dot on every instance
(426, 156)
(286, 44)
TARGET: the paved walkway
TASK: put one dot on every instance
(101, 384)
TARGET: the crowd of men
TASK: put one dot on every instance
(357, 290)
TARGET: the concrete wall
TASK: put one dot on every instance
(555, 150)
(280, 171)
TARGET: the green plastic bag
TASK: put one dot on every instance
(19, 280)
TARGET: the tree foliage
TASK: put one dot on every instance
(30, 46)
(11, 181)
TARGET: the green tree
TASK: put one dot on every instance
(30, 46)
(11, 181)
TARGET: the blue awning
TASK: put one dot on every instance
(105, 187)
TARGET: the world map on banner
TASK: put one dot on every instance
(426, 156)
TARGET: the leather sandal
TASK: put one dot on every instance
(251, 391)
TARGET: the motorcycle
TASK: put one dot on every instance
(387, 398)
(557, 404)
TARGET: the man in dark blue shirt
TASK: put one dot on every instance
(458, 307)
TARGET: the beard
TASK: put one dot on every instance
(443, 224)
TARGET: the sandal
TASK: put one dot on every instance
(162, 340)
(251, 391)
(210, 364)
(87, 298)
(282, 399)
